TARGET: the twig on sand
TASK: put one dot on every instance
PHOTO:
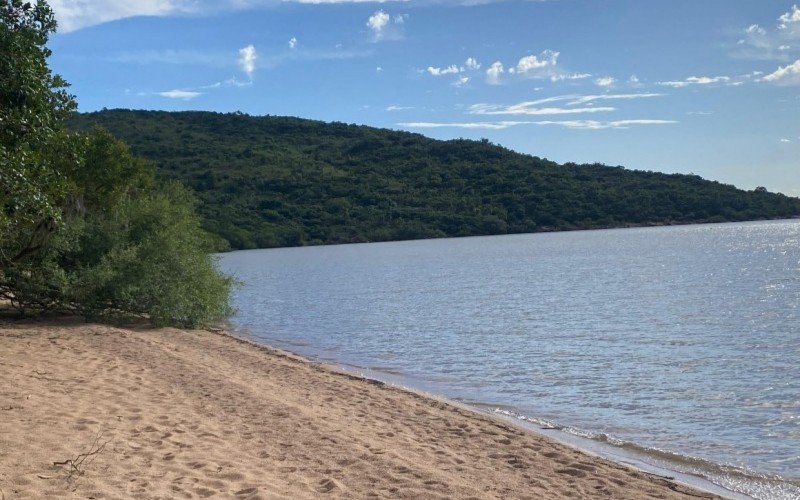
(77, 465)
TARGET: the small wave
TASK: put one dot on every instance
(728, 476)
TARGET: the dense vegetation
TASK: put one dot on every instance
(84, 225)
(278, 181)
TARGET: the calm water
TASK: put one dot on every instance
(683, 339)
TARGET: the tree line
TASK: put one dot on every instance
(268, 181)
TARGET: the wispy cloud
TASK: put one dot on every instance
(570, 76)
(542, 106)
(568, 124)
(460, 81)
(467, 125)
(76, 14)
(596, 125)
(173, 56)
(327, 2)
(180, 94)
(302, 54)
(757, 42)
(395, 107)
(696, 80)
(532, 109)
(582, 99)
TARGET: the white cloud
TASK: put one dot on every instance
(540, 66)
(450, 70)
(378, 21)
(696, 80)
(467, 125)
(755, 29)
(574, 100)
(180, 94)
(570, 124)
(532, 108)
(605, 81)
(790, 19)
(170, 56)
(471, 64)
(784, 140)
(536, 107)
(247, 59)
(277, 59)
(570, 76)
(765, 44)
(785, 75)
(292, 42)
(394, 107)
(537, 66)
(378, 69)
(494, 72)
(595, 125)
(386, 27)
(325, 2)
(76, 14)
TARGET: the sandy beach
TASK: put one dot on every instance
(93, 411)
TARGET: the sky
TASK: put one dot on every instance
(707, 87)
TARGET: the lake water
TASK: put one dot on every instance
(679, 343)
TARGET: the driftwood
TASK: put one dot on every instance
(77, 465)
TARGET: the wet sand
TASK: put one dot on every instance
(93, 411)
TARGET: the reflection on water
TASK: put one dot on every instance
(683, 339)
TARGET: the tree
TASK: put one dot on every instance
(84, 226)
(33, 108)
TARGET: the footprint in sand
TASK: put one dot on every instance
(572, 472)
(246, 492)
(327, 485)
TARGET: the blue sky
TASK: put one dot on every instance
(710, 87)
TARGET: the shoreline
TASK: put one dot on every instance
(628, 458)
(179, 413)
(631, 225)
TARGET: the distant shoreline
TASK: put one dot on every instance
(548, 231)
(193, 413)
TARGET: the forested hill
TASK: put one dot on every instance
(277, 181)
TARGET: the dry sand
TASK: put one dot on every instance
(196, 414)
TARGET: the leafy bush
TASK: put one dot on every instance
(147, 256)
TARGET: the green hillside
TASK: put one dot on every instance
(278, 181)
